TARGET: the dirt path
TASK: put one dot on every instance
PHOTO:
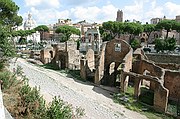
(96, 101)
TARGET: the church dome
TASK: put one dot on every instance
(29, 23)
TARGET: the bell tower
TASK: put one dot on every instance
(119, 16)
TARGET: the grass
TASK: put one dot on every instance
(50, 66)
(172, 107)
(127, 99)
(147, 96)
(72, 73)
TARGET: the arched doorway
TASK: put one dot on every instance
(51, 54)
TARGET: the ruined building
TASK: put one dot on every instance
(102, 67)
(91, 40)
(117, 64)
(62, 55)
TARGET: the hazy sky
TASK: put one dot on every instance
(48, 11)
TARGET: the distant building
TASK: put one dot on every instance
(84, 26)
(178, 18)
(30, 24)
(62, 22)
(155, 20)
(119, 16)
(91, 40)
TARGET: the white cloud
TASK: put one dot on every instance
(172, 8)
(142, 10)
(94, 14)
(48, 3)
(154, 11)
(136, 8)
(134, 11)
(80, 2)
(47, 16)
(33, 2)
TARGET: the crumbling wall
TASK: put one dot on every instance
(116, 51)
(170, 66)
(74, 59)
(171, 82)
(90, 60)
(99, 73)
(47, 54)
(87, 65)
(126, 66)
(164, 58)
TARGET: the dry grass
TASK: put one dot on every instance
(11, 98)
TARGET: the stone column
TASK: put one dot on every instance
(124, 82)
(137, 87)
(152, 85)
(97, 77)
(160, 98)
(83, 69)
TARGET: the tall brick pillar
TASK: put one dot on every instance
(160, 98)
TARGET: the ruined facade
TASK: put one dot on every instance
(117, 64)
(91, 40)
(163, 82)
(104, 67)
(62, 55)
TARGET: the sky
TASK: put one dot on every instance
(49, 11)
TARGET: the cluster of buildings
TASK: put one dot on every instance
(114, 63)
(89, 31)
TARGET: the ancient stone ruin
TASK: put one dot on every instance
(116, 64)
(64, 55)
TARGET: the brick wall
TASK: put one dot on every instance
(164, 58)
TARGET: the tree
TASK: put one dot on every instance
(177, 28)
(159, 44)
(67, 31)
(148, 29)
(168, 25)
(6, 43)
(167, 44)
(110, 30)
(8, 20)
(133, 29)
(42, 29)
(170, 44)
(8, 14)
(135, 44)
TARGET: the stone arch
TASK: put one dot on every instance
(143, 40)
(51, 54)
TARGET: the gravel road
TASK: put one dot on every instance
(96, 101)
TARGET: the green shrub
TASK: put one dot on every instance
(7, 79)
(135, 44)
(59, 110)
(31, 103)
(165, 44)
(1, 66)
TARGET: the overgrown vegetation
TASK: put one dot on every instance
(60, 110)
(50, 66)
(22, 101)
(168, 44)
(74, 73)
(135, 44)
(128, 100)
